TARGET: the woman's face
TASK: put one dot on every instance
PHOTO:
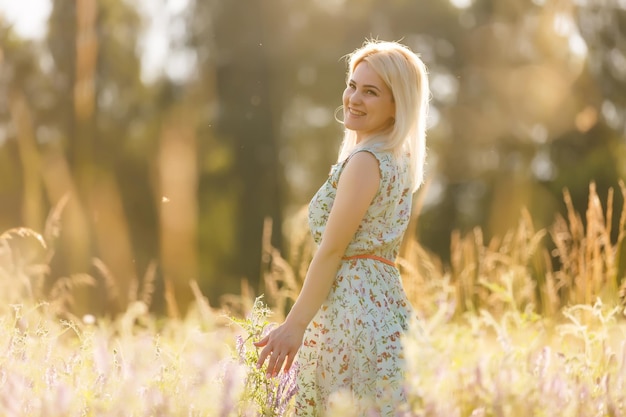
(368, 105)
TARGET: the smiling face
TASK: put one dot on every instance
(368, 106)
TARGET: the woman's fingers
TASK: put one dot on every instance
(288, 363)
(262, 342)
(275, 363)
(266, 351)
(279, 348)
(274, 359)
(270, 365)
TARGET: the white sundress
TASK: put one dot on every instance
(353, 343)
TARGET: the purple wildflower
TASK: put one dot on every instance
(279, 397)
(241, 347)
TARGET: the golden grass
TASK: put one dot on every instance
(518, 271)
(530, 323)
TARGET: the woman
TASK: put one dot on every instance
(352, 310)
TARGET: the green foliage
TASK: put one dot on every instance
(263, 396)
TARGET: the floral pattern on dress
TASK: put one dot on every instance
(353, 343)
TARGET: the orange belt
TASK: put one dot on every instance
(374, 257)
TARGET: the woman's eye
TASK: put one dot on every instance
(371, 92)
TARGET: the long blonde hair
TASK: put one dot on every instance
(406, 76)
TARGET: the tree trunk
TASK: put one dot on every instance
(243, 87)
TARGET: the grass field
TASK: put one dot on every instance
(501, 332)
(477, 365)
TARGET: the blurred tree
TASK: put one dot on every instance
(92, 125)
(517, 94)
(245, 116)
(19, 75)
(95, 223)
(238, 66)
(527, 98)
(603, 26)
(600, 139)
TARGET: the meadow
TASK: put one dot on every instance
(527, 324)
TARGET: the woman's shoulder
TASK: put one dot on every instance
(390, 164)
(389, 160)
(382, 155)
(388, 157)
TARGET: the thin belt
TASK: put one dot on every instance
(367, 256)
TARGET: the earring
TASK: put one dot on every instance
(337, 110)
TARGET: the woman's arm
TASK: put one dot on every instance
(358, 184)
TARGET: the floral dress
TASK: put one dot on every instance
(352, 345)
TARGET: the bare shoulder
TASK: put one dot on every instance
(362, 170)
(363, 162)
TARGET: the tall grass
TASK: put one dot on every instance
(135, 366)
(529, 324)
(572, 262)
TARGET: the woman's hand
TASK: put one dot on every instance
(280, 346)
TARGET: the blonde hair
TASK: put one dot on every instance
(406, 76)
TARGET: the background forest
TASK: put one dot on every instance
(170, 178)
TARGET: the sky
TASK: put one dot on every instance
(29, 20)
(28, 16)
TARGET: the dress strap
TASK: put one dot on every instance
(368, 256)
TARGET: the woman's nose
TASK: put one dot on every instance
(354, 97)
